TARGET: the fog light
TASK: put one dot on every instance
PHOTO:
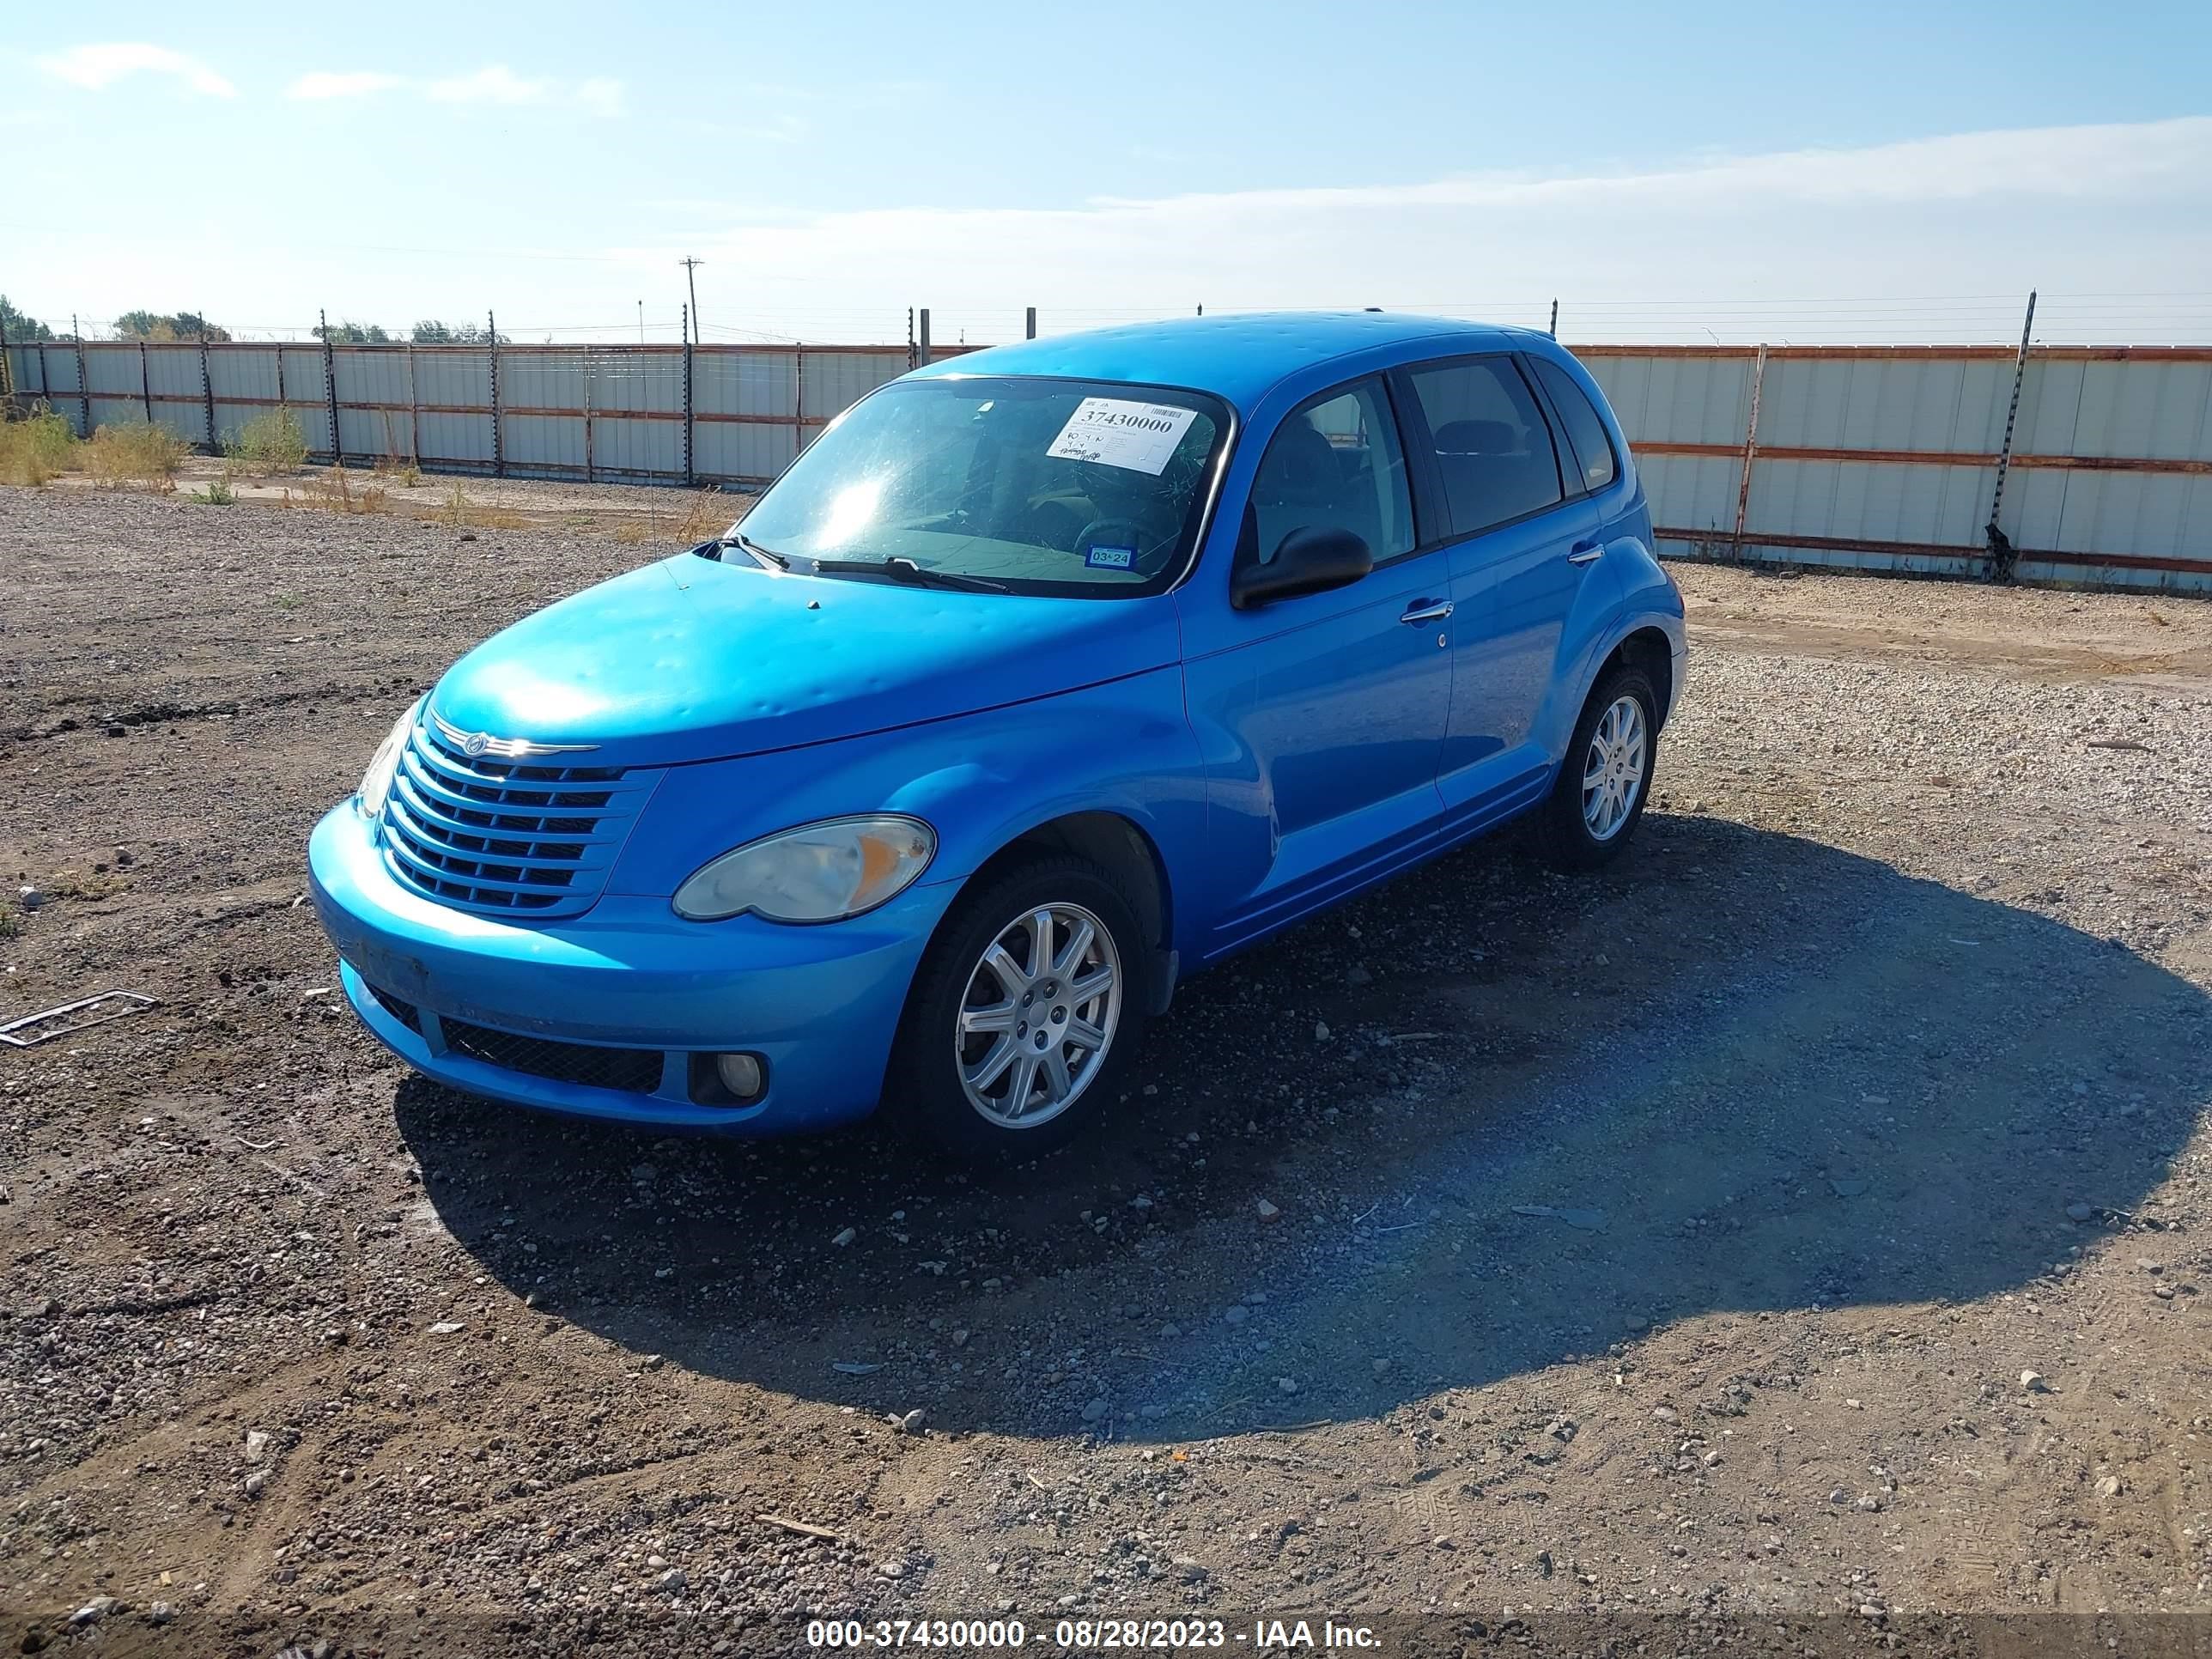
(740, 1074)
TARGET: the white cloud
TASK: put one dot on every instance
(2107, 221)
(494, 84)
(92, 67)
(326, 84)
(2092, 209)
(601, 96)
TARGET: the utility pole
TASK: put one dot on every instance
(640, 322)
(691, 276)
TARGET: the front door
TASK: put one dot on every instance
(1330, 707)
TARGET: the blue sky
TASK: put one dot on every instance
(1867, 171)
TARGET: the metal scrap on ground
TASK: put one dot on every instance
(12, 1032)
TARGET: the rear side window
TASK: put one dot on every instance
(1494, 451)
(1335, 464)
(1593, 449)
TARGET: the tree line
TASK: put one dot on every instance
(189, 325)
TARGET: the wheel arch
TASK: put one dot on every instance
(1121, 845)
(1647, 648)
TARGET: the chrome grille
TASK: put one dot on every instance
(510, 837)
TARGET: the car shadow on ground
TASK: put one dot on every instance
(1746, 1070)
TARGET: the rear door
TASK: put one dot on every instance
(1519, 530)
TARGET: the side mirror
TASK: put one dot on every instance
(1309, 560)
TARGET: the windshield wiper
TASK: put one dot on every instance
(767, 556)
(901, 569)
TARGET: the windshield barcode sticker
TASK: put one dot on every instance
(1118, 432)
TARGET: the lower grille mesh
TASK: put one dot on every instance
(405, 1013)
(632, 1071)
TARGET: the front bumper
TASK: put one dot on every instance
(819, 1004)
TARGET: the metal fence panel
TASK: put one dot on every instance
(1877, 457)
(637, 448)
(543, 443)
(112, 371)
(1682, 399)
(1888, 502)
(762, 383)
(1693, 493)
(1946, 405)
(2157, 410)
(835, 379)
(456, 441)
(735, 450)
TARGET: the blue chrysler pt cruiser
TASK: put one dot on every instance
(1046, 676)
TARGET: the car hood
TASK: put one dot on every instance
(691, 659)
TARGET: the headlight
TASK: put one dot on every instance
(376, 782)
(818, 873)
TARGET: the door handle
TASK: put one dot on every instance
(1426, 611)
(1586, 551)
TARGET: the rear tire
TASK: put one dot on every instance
(1598, 799)
(1005, 1050)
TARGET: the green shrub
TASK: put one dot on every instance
(271, 442)
(35, 449)
(135, 452)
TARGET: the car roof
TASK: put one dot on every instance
(1238, 358)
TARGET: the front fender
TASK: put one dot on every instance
(980, 781)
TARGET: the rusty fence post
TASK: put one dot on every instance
(330, 389)
(798, 398)
(2000, 545)
(414, 414)
(1750, 448)
(498, 435)
(686, 319)
(207, 391)
(590, 362)
(145, 386)
(924, 337)
(1029, 324)
(83, 385)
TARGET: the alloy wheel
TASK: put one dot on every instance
(1613, 767)
(1038, 1016)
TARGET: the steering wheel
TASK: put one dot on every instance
(1113, 532)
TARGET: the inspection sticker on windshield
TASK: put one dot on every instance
(1111, 558)
(1120, 432)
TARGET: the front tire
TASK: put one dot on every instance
(1603, 782)
(1025, 1014)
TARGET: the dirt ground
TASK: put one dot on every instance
(1799, 1232)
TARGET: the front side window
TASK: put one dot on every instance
(1336, 463)
(1493, 450)
(1089, 489)
(1585, 432)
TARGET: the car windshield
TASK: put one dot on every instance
(1089, 489)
